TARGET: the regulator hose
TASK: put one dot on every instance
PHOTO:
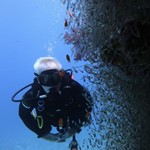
(13, 97)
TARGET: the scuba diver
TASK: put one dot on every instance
(55, 101)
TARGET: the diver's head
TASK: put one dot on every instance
(47, 71)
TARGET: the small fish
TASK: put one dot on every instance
(76, 71)
(70, 14)
(66, 23)
(68, 58)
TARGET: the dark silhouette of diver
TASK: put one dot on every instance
(55, 101)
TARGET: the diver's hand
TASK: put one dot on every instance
(59, 137)
(51, 137)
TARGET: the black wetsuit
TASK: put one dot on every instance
(67, 108)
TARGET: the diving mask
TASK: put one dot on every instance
(49, 77)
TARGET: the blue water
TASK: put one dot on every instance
(28, 29)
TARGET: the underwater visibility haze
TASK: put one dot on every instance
(106, 43)
(28, 30)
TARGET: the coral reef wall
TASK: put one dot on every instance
(113, 36)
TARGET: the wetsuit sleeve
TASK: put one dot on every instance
(25, 112)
